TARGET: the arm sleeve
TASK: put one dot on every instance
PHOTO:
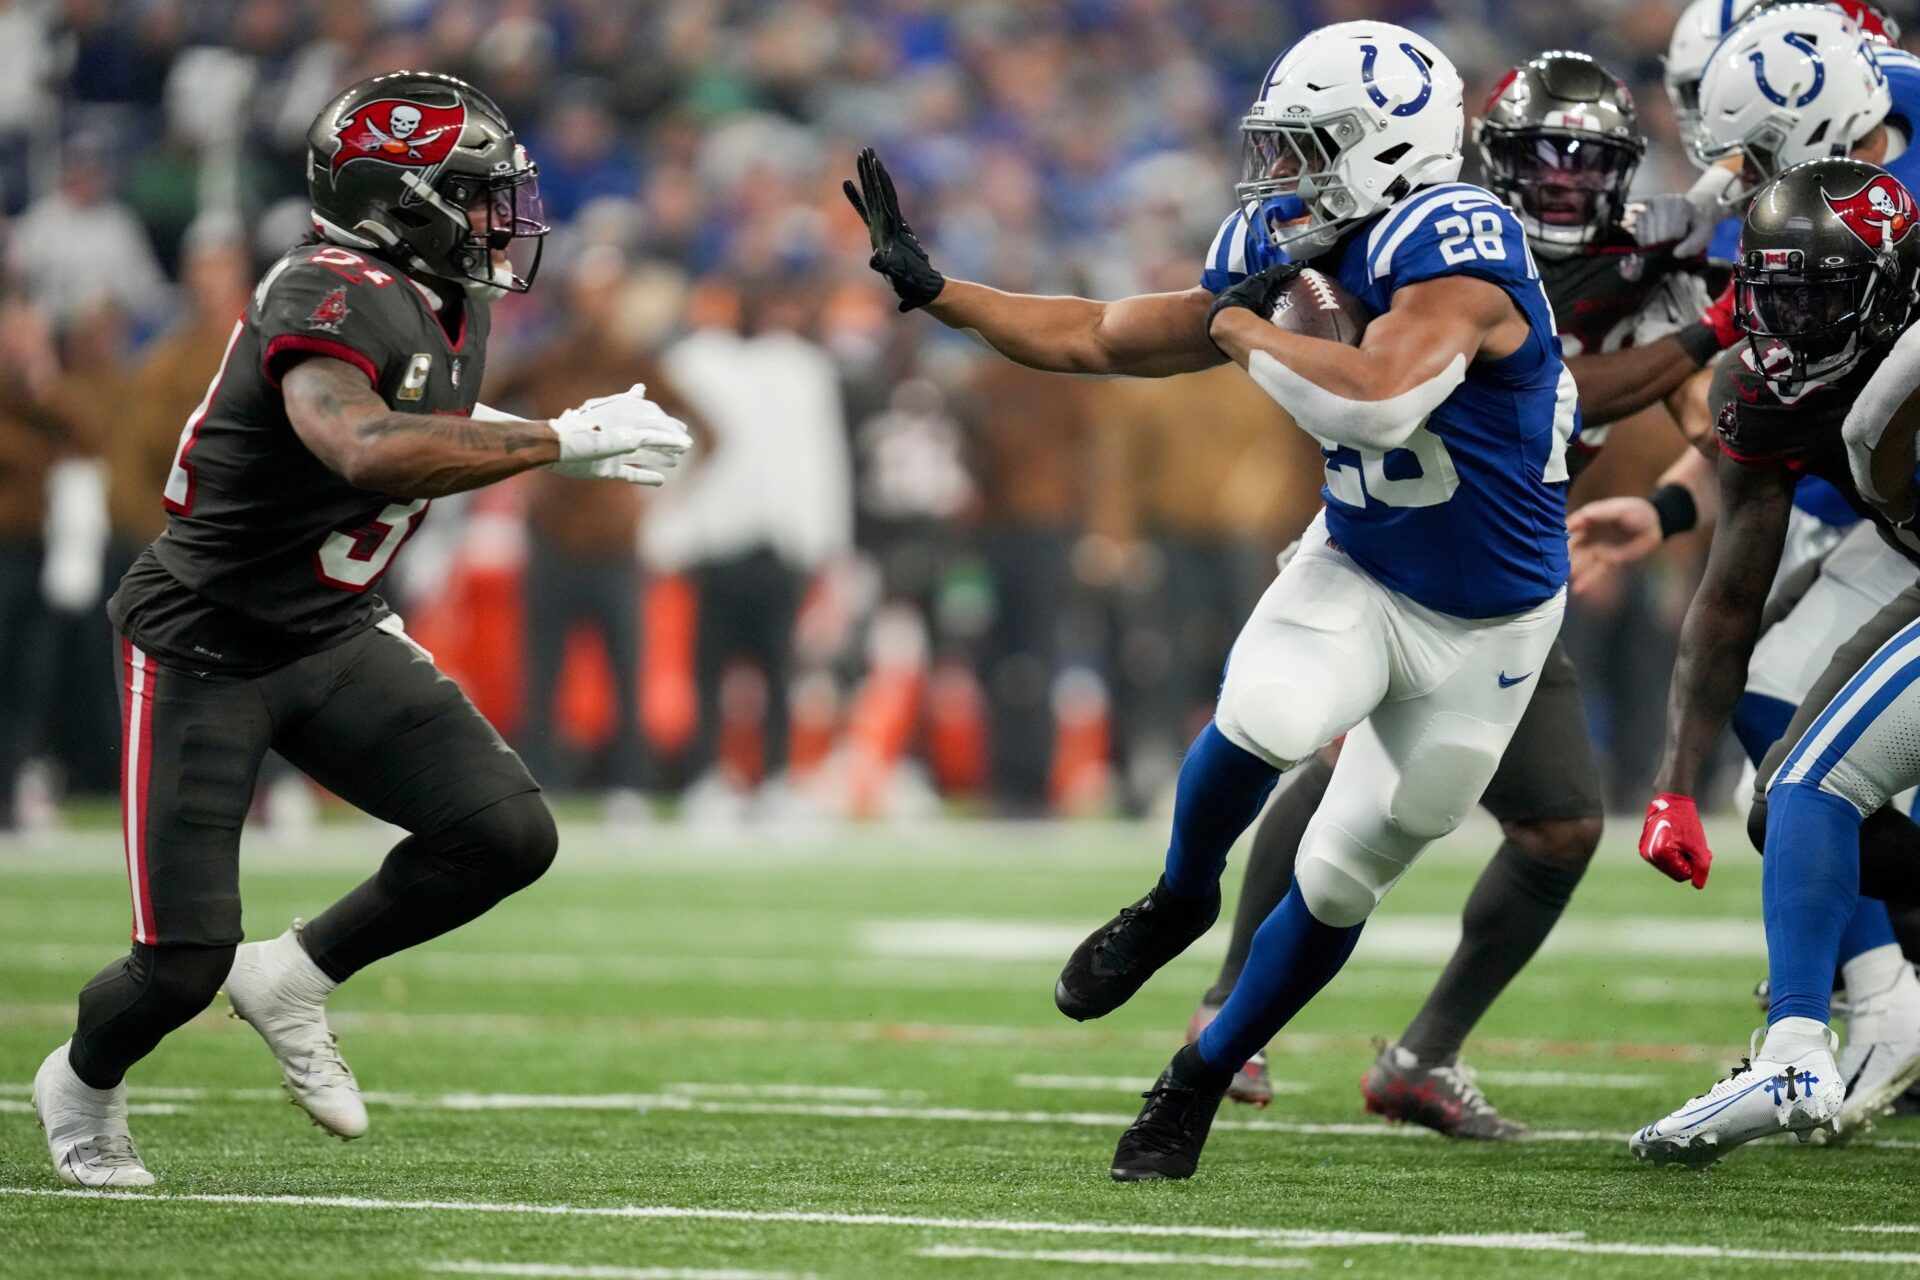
(309, 310)
(1363, 424)
(1891, 385)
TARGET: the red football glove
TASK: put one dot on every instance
(1674, 841)
(1719, 318)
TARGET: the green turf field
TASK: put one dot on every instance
(840, 1057)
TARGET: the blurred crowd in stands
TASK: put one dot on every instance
(902, 573)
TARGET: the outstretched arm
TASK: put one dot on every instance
(1151, 336)
(1618, 384)
(1408, 362)
(409, 455)
(347, 425)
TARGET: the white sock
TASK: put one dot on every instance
(304, 978)
(1788, 1038)
(1881, 971)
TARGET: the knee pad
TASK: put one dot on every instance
(512, 842)
(1335, 895)
(1280, 722)
(1559, 842)
(1439, 784)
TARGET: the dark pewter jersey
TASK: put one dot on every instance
(267, 554)
(1797, 428)
(1617, 294)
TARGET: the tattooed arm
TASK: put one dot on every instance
(1724, 621)
(350, 428)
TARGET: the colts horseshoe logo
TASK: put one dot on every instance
(1773, 95)
(1369, 54)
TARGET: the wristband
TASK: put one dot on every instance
(1674, 506)
(1699, 341)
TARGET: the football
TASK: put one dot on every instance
(1318, 306)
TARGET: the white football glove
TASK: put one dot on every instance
(620, 437)
(1667, 219)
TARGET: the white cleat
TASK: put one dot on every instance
(1881, 1059)
(86, 1128)
(1760, 1098)
(279, 992)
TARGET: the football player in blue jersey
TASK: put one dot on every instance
(1559, 140)
(1420, 607)
(1795, 83)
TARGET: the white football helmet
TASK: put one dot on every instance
(1701, 27)
(1352, 119)
(1793, 83)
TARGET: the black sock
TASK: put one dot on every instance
(1508, 915)
(1890, 857)
(433, 883)
(133, 1003)
(1906, 927)
(1269, 874)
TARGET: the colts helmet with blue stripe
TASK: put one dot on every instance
(1348, 122)
(1795, 82)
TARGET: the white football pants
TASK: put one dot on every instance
(1428, 702)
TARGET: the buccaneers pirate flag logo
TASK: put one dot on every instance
(1880, 213)
(396, 131)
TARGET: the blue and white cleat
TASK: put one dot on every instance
(1881, 1060)
(1760, 1098)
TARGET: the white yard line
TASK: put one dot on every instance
(1120, 1084)
(823, 1092)
(17, 1106)
(563, 1271)
(1888, 1228)
(1115, 1257)
(1568, 1079)
(1387, 937)
(1564, 1242)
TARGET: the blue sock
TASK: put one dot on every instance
(1293, 955)
(1759, 722)
(1869, 927)
(1809, 886)
(1219, 794)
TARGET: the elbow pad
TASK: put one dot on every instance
(1362, 424)
(1890, 386)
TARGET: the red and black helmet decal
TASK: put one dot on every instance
(1881, 213)
(398, 131)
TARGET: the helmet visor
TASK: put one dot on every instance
(1815, 316)
(507, 227)
(1563, 179)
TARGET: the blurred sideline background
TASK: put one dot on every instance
(904, 576)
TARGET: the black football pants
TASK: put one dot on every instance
(371, 720)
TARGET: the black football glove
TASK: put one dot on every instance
(897, 254)
(1257, 293)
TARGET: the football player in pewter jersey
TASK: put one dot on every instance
(346, 402)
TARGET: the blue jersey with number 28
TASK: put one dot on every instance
(1469, 517)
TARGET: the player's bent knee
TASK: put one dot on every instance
(181, 977)
(1280, 722)
(1561, 842)
(1334, 895)
(519, 839)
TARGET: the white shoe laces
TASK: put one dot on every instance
(112, 1151)
(1464, 1081)
(320, 1064)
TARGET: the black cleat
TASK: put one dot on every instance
(1165, 1141)
(1119, 956)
